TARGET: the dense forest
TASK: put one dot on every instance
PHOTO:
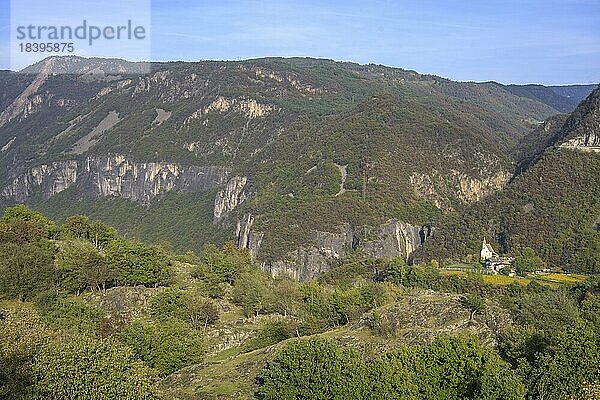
(66, 331)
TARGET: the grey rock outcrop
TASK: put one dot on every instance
(301, 265)
(392, 239)
(49, 179)
(246, 238)
(588, 142)
(117, 176)
(25, 103)
(230, 197)
(114, 175)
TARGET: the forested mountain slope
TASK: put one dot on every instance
(552, 207)
(297, 160)
(278, 154)
(562, 98)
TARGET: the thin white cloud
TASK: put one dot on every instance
(198, 38)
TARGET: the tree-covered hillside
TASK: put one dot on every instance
(552, 206)
(562, 98)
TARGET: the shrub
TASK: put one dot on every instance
(165, 345)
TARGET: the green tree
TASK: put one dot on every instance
(393, 376)
(311, 369)
(526, 260)
(458, 368)
(251, 292)
(166, 345)
(26, 269)
(20, 213)
(475, 304)
(80, 367)
(138, 264)
(570, 364)
(548, 311)
(221, 266)
(199, 311)
(396, 273)
(287, 296)
(344, 305)
(271, 332)
(167, 304)
(95, 232)
(80, 265)
(20, 232)
(586, 258)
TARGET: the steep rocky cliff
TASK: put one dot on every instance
(389, 240)
(113, 176)
(581, 131)
(230, 197)
(47, 179)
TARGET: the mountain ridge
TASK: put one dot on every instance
(305, 146)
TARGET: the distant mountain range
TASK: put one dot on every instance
(299, 160)
(562, 98)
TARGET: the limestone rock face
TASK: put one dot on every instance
(588, 142)
(302, 265)
(582, 128)
(50, 179)
(230, 197)
(117, 176)
(28, 102)
(250, 108)
(247, 238)
(392, 239)
(396, 239)
(439, 188)
(114, 175)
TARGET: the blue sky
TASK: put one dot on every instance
(526, 41)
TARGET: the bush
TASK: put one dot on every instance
(166, 345)
(26, 269)
(199, 312)
(272, 332)
(60, 312)
(449, 368)
(313, 369)
(79, 367)
(167, 304)
(138, 264)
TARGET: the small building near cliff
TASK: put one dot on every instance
(494, 262)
